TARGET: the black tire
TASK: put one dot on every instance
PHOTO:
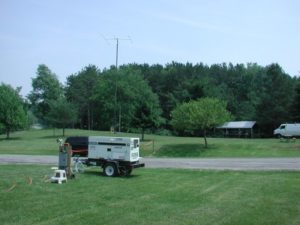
(110, 170)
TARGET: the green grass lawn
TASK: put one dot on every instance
(38, 142)
(222, 147)
(150, 196)
(43, 142)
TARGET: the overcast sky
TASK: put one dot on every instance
(68, 35)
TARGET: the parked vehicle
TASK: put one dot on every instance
(79, 145)
(288, 130)
(116, 155)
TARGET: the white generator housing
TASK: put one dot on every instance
(114, 148)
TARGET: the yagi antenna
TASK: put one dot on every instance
(117, 39)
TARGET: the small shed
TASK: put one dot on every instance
(238, 128)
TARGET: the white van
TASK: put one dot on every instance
(288, 130)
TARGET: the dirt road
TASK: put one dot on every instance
(187, 163)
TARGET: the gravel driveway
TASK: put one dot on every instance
(187, 163)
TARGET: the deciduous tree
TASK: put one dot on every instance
(275, 99)
(46, 87)
(80, 90)
(203, 114)
(12, 114)
(125, 100)
(295, 107)
(62, 113)
(148, 111)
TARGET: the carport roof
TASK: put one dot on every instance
(238, 125)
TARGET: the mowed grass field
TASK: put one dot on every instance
(43, 142)
(149, 196)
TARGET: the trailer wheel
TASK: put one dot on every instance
(110, 170)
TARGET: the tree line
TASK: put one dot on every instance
(142, 97)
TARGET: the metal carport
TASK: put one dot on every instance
(238, 128)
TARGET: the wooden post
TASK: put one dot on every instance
(68, 149)
(153, 146)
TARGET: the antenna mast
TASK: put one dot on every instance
(117, 39)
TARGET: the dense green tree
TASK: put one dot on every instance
(252, 85)
(203, 114)
(253, 92)
(115, 98)
(148, 111)
(46, 87)
(62, 113)
(233, 85)
(79, 90)
(275, 99)
(295, 106)
(124, 100)
(12, 114)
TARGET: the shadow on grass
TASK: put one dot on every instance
(183, 150)
(99, 173)
(52, 137)
(146, 140)
(93, 172)
(10, 139)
